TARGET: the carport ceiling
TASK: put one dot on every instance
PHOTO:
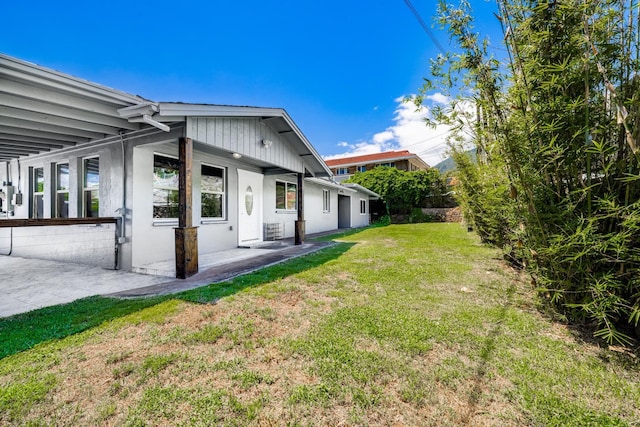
(43, 110)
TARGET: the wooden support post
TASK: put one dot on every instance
(186, 239)
(300, 229)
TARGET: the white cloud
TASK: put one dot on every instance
(439, 98)
(409, 132)
(383, 137)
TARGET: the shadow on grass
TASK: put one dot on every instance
(486, 355)
(23, 331)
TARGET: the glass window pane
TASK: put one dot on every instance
(38, 180)
(292, 196)
(62, 205)
(91, 204)
(38, 206)
(165, 203)
(211, 205)
(165, 183)
(281, 195)
(212, 179)
(91, 173)
(62, 177)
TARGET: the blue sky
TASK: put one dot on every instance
(339, 68)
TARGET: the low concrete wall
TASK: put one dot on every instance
(91, 244)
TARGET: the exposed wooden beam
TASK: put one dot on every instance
(300, 224)
(186, 236)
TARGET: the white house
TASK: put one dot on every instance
(94, 175)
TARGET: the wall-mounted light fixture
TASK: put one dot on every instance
(236, 155)
(266, 143)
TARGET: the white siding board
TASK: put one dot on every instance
(202, 129)
(245, 135)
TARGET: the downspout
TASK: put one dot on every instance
(142, 112)
(123, 209)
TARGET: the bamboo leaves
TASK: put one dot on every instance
(562, 180)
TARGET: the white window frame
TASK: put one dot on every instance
(60, 190)
(35, 194)
(362, 168)
(363, 207)
(164, 220)
(342, 171)
(326, 201)
(223, 194)
(89, 189)
(286, 191)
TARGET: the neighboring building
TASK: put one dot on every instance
(94, 175)
(404, 160)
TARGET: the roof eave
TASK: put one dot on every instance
(210, 110)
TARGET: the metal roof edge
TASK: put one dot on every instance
(362, 189)
(48, 74)
(327, 183)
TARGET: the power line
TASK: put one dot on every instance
(425, 27)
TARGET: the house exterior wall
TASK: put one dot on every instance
(315, 219)
(91, 244)
(153, 239)
(359, 219)
(126, 172)
(88, 244)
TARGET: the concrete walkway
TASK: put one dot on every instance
(29, 284)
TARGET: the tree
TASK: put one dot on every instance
(556, 128)
(402, 190)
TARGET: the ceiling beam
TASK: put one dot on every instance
(18, 151)
(48, 127)
(34, 142)
(71, 124)
(54, 137)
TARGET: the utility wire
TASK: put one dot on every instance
(425, 27)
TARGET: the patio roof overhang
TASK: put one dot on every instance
(42, 110)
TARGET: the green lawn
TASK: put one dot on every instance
(400, 325)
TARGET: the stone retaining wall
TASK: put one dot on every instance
(431, 215)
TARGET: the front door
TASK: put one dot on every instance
(249, 207)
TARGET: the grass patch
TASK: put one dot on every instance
(414, 324)
(18, 397)
(25, 330)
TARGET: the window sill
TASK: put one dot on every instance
(169, 222)
(286, 211)
(213, 221)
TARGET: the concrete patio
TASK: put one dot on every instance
(29, 284)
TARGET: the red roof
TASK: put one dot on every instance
(370, 158)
